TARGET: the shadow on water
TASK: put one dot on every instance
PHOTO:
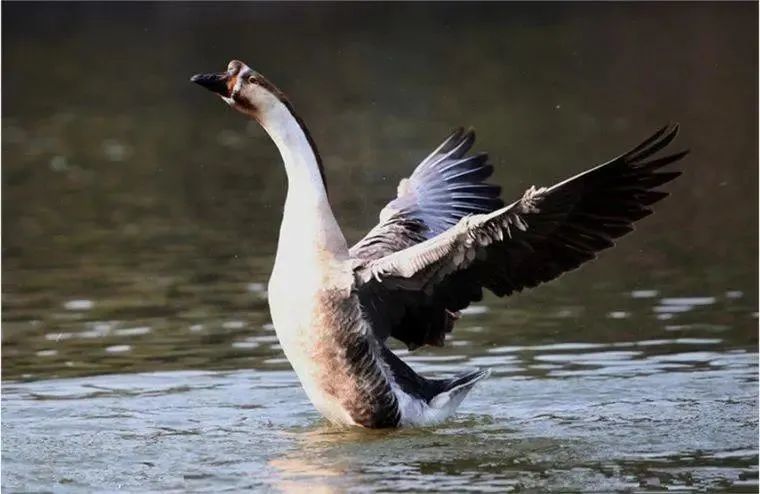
(140, 218)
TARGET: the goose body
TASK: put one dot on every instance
(444, 238)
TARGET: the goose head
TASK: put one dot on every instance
(250, 93)
(243, 89)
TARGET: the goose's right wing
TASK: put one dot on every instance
(444, 187)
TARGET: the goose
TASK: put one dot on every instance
(445, 238)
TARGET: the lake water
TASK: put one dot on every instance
(140, 218)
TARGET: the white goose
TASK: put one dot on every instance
(444, 238)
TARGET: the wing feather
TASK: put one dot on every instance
(444, 187)
(544, 234)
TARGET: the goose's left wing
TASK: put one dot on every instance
(545, 233)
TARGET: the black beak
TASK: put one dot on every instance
(216, 82)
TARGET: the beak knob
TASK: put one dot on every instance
(215, 82)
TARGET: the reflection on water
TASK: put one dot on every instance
(140, 217)
(630, 419)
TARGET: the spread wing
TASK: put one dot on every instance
(444, 187)
(547, 232)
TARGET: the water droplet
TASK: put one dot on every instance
(505, 349)
(102, 327)
(118, 348)
(565, 313)
(114, 150)
(619, 314)
(233, 325)
(58, 336)
(276, 361)
(82, 304)
(133, 331)
(248, 344)
(475, 309)
(256, 287)
(662, 309)
(644, 293)
(653, 342)
(58, 163)
(566, 346)
(688, 301)
(698, 341)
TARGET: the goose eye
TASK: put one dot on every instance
(251, 79)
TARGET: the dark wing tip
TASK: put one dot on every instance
(471, 133)
(672, 158)
(673, 126)
(458, 131)
(673, 130)
(456, 135)
(669, 130)
(681, 154)
(449, 143)
(653, 144)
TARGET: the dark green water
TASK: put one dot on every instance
(140, 217)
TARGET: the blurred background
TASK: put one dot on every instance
(140, 214)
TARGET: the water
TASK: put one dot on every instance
(140, 218)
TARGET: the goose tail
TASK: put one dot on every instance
(456, 389)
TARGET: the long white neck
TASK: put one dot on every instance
(308, 219)
(301, 165)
